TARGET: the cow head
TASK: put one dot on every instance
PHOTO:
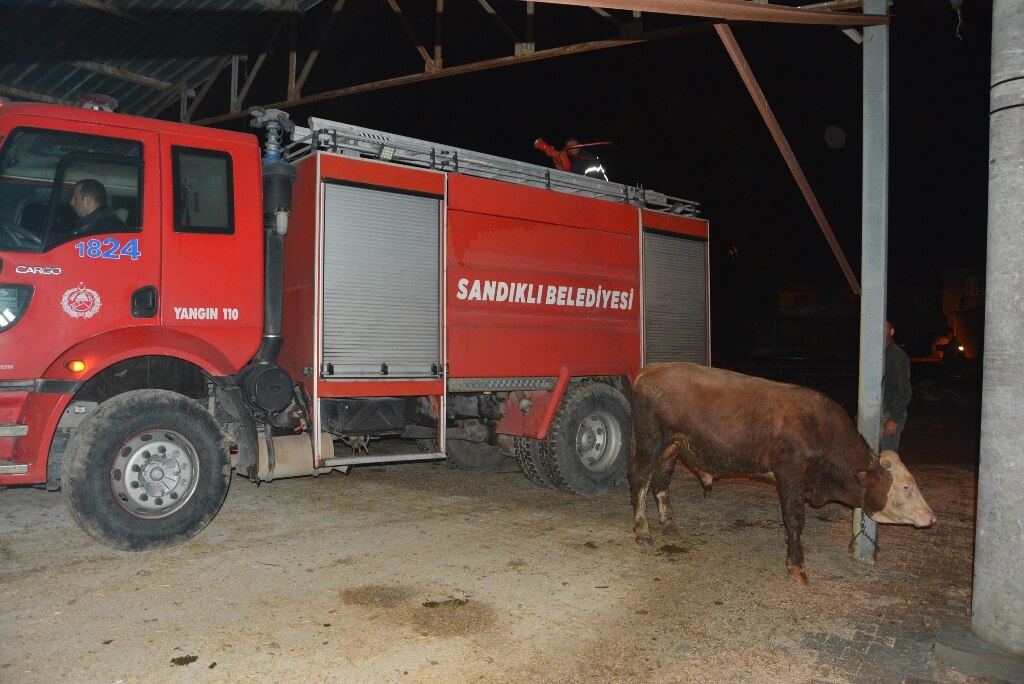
(891, 494)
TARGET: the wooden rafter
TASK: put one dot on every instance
(122, 74)
(499, 21)
(409, 31)
(23, 94)
(482, 65)
(315, 52)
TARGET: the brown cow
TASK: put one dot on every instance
(719, 423)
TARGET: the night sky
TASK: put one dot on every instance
(681, 122)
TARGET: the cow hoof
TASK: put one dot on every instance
(796, 573)
(670, 530)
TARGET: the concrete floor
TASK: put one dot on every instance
(421, 573)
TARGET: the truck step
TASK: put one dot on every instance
(13, 468)
(381, 458)
(13, 430)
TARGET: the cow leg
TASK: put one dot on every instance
(791, 497)
(706, 480)
(639, 474)
(660, 481)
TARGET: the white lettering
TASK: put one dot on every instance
(38, 270)
(196, 313)
(490, 288)
(502, 291)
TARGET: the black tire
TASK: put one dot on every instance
(126, 470)
(587, 448)
(528, 454)
(463, 455)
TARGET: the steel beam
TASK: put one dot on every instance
(158, 103)
(747, 74)
(498, 62)
(733, 10)
(201, 95)
(499, 21)
(428, 62)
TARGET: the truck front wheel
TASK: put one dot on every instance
(148, 469)
(587, 448)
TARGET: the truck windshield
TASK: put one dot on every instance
(39, 171)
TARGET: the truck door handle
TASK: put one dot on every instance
(144, 302)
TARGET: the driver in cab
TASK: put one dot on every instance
(89, 202)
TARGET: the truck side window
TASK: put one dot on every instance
(39, 170)
(203, 191)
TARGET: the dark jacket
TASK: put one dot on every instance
(100, 220)
(895, 382)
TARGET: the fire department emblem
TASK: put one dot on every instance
(81, 302)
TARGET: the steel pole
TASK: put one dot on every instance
(998, 604)
(874, 238)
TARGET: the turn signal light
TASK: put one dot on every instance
(75, 366)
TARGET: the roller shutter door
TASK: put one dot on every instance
(675, 298)
(381, 301)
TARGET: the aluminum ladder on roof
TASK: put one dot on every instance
(367, 143)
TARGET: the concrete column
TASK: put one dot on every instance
(874, 239)
(999, 545)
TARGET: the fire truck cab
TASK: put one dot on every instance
(402, 301)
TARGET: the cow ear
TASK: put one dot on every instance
(886, 458)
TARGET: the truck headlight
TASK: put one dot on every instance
(14, 301)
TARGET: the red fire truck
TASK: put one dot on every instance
(431, 303)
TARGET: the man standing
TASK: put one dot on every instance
(895, 392)
(89, 201)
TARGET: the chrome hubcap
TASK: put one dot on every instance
(598, 440)
(154, 473)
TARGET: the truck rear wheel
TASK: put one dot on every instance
(528, 454)
(465, 455)
(148, 469)
(587, 448)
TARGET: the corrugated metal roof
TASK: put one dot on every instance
(141, 52)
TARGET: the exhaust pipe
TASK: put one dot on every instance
(266, 387)
(277, 205)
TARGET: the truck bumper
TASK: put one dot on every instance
(29, 413)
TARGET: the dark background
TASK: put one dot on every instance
(680, 121)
